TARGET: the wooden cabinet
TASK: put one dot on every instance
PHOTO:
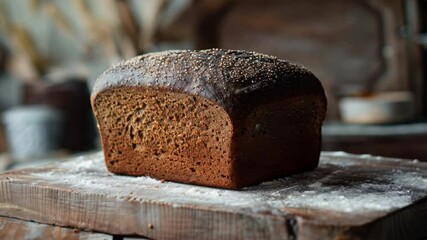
(353, 46)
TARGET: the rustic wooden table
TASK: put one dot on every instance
(347, 197)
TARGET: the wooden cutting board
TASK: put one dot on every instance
(347, 197)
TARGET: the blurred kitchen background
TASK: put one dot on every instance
(371, 56)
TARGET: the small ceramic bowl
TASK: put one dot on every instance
(380, 108)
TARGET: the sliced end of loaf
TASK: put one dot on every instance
(165, 135)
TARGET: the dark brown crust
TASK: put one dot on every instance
(252, 89)
(230, 78)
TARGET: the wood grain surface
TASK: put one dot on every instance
(19, 230)
(346, 197)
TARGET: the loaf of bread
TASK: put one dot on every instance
(219, 118)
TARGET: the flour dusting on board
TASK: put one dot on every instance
(81, 162)
(410, 180)
(345, 200)
(340, 184)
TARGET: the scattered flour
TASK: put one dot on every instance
(346, 201)
(334, 186)
(410, 180)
